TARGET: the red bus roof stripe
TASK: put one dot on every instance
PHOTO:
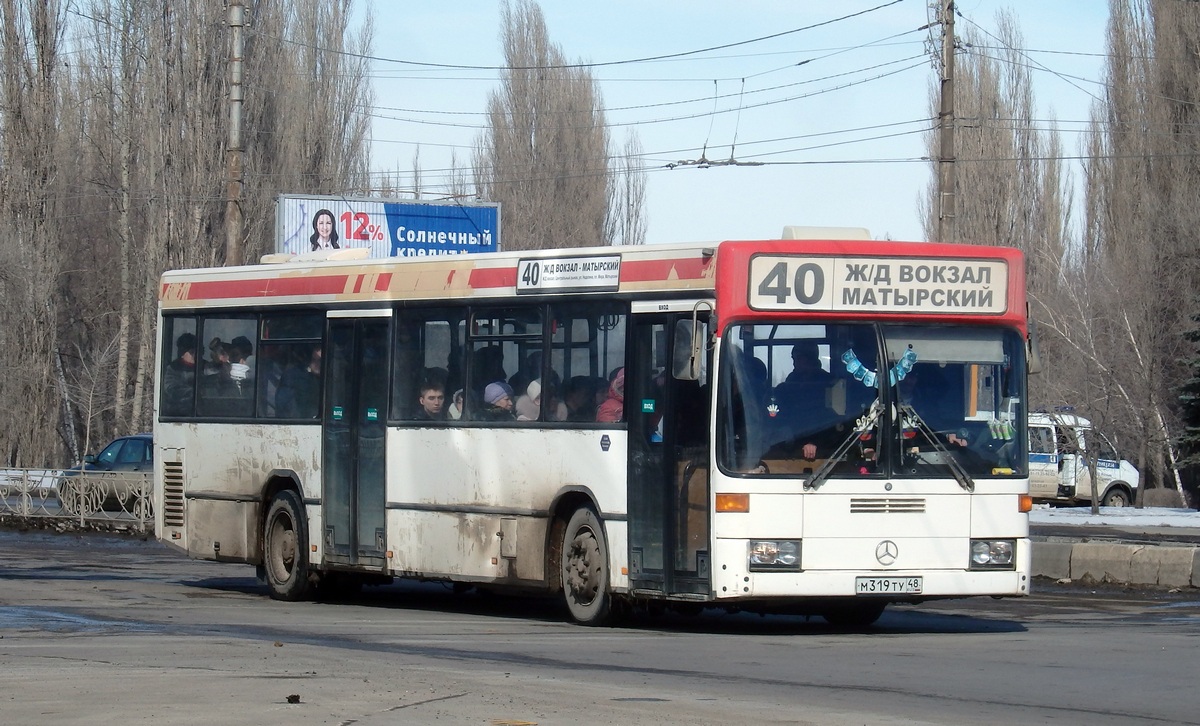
(492, 277)
(686, 268)
(267, 287)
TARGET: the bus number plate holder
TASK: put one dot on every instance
(888, 585)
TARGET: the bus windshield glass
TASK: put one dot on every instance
(863, 400)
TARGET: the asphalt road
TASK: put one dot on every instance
(105, 630)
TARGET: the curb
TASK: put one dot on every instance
(1128, 564)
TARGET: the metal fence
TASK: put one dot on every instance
(118, 500)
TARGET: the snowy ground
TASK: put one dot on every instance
(1116, 516)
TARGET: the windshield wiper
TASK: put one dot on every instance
(910, 415)
(860, 427)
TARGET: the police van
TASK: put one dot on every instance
(1058, 467)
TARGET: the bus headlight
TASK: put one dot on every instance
(992, 554)
(774, 554)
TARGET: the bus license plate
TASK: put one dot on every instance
(888, 585)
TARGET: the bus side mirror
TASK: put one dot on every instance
(1033, 354)
(689, 347)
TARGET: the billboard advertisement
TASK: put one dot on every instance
(387, 228)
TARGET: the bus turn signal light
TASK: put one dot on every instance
(733, 503)
(1025, 503)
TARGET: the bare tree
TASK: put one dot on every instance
(113, 160)
(544, 155)
(1144, 177)
(1008, 187)
(89, 386)
(32, 156)
(307, 100)
(626, 216)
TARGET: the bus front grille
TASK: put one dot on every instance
(172, 504)
(886, 505)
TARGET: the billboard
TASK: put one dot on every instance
(387, 228)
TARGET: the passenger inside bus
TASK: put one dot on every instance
(580, 399)
(529, 403)
(802, 403)
(612, 410)
(497, 402)
(299, 394)
(180, 378)
(455, 410)
(241, 365)
(431, 402)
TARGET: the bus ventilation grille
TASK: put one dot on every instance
(172, 504)
(886, 505)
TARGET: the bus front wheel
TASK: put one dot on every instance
(585, 568)
(285, 548)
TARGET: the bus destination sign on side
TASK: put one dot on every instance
(569, 273)
(878, 284)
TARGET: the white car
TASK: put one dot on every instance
(1058, 467)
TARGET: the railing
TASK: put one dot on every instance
(110, 499)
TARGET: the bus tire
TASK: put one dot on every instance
(585, 569)
(285, 548)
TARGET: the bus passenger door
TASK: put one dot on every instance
(668, 465)
(354, 436)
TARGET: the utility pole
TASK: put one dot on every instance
(233, 155)
(947, 231)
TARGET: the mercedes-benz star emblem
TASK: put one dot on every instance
(886, 552)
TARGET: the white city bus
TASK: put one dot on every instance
(804, 426)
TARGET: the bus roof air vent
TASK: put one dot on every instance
(797, 232)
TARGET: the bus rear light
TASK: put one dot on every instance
(1025, 503)
(733, 503)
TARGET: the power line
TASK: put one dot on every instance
(687, 117)
(679, 102)
(602, 64)
(1034, 61)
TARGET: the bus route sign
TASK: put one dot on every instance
(875, 284)
(569, 273)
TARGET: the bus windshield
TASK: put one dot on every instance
(863, 400)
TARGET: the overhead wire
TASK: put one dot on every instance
(687, 117)
(600, 64)
(680, 102)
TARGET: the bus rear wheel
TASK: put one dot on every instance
(585, 569)
(285, 548)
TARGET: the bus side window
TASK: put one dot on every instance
(587, 342)
(502, 342)
(179, 373)
(226, 372)
(428, 353)
(299, 394)
(289, 345)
